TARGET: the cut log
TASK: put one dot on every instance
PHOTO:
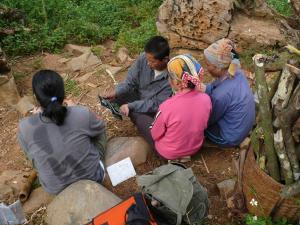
(287, 118)
(283, 158)
(274, 86)
(266, 116)
(285, 88)
(290, 190)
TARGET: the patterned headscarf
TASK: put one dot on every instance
(185, 68)
(222, 55)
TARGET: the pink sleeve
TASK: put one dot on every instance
(159, 127)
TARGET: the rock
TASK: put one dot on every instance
(37, 199)
(194, 25)
(77, 50)
(79, 203)
(255, 32)
(24, 105)
(122, 55)
(6, 193)
(14, 179)
(85, 77)
(226, 187)
(245, 144)
(63, 60)
(83, 62)
(122, 147)
(8, 91)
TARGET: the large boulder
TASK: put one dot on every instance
(37, 199)
(195, 24)
(79, 203)
(118, 148)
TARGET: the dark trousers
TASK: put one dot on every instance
(141, 120)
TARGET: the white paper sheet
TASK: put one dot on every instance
(121, 171)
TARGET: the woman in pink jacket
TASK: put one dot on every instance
(178, 129)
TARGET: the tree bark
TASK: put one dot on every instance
(284, 90)
(283, 158)
(287, 117)
(266, 116)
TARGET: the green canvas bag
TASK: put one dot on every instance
(181, 196)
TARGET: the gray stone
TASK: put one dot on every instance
(122, 147)
(77, 50)
(83, 62)
(226, 187)
(84, 77)
(37, 199)
(25, 104)
(79, 203)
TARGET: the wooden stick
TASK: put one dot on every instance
(283, 158)
(266, 115)
(204, 164)
(285, 88)
(287, 117)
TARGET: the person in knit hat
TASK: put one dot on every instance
(233, 112)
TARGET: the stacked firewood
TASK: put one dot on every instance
(276, 138)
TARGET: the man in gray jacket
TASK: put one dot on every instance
(146, 85)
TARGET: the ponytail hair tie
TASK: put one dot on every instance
(53, 99)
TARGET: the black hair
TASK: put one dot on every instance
(190, 85)
(48, 87)
(158, 47)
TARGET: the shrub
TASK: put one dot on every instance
(53, 23)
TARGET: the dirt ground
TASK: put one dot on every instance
(219, 161)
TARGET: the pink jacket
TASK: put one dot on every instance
(178, 129)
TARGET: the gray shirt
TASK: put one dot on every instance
(151, 90)
(63, 154)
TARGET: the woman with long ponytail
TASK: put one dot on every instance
(64, 143)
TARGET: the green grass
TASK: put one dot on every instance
(19, 75)
(49, 27)
(71, 88)
(281, 6)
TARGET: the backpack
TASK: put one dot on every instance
(181, 197)
(133, 211)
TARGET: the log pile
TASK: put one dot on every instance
(276, 138)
